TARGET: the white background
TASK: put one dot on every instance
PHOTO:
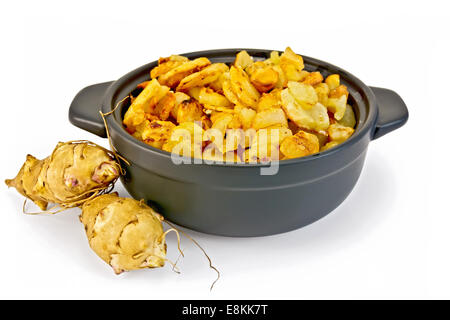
(389, 239)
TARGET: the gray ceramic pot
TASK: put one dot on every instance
(234, 199)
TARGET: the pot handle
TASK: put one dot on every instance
(392, 112)
(84, 109)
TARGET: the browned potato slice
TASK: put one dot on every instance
(274, 57)
(243, 60)
(243, 88)
(167, 64)
(213, 153)
(165, 105)
(194, 92)
(270, 117)
(220, 127)
(304, 94)
(292, 65)
(303, 75)
(255, 66)
(322, 91)
(214, 115)
(228, 92)
(189, 111)
(282, 80)
(313, 118)
(221, 121)
(264, 79)
(175, 75)
(322, 136)
(269, 100)
(235, 139)
(211, 99)
(333, 81)
(265, 75)
(337, 106)
(201, 78)
(218, 84)
(299, 145)
(266, 143)
(246, 116)
(151, 117)
(144, 103)
(314, 78)
(156, 130)
(179, 98)
(339, 133)
(209, 109)
(206, 122)
(215, 138)
(195, 131)
(338, 92)
(186, 139)
(173, 57)
(235, 123)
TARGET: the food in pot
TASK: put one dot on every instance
(74, 172)
(285, 111)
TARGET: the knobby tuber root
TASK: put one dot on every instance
(75, 172)
(126, 233)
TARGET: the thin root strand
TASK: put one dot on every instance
(113, 150)
(174, 266)
(178, 239)
(200, 247)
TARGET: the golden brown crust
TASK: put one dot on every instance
(173, 77)
(167, 64)
(314, 78)
(300, 145)
(204, 77)
(242, 88)
(250, 94)
(264, 79)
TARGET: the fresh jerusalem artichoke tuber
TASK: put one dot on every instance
(126, 233)
(73, 173)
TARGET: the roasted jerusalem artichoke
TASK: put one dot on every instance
(73, 172)
(249, 95)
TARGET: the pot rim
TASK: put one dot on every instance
(110, 100)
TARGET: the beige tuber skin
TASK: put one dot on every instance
(74, 172)
(125, 233)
